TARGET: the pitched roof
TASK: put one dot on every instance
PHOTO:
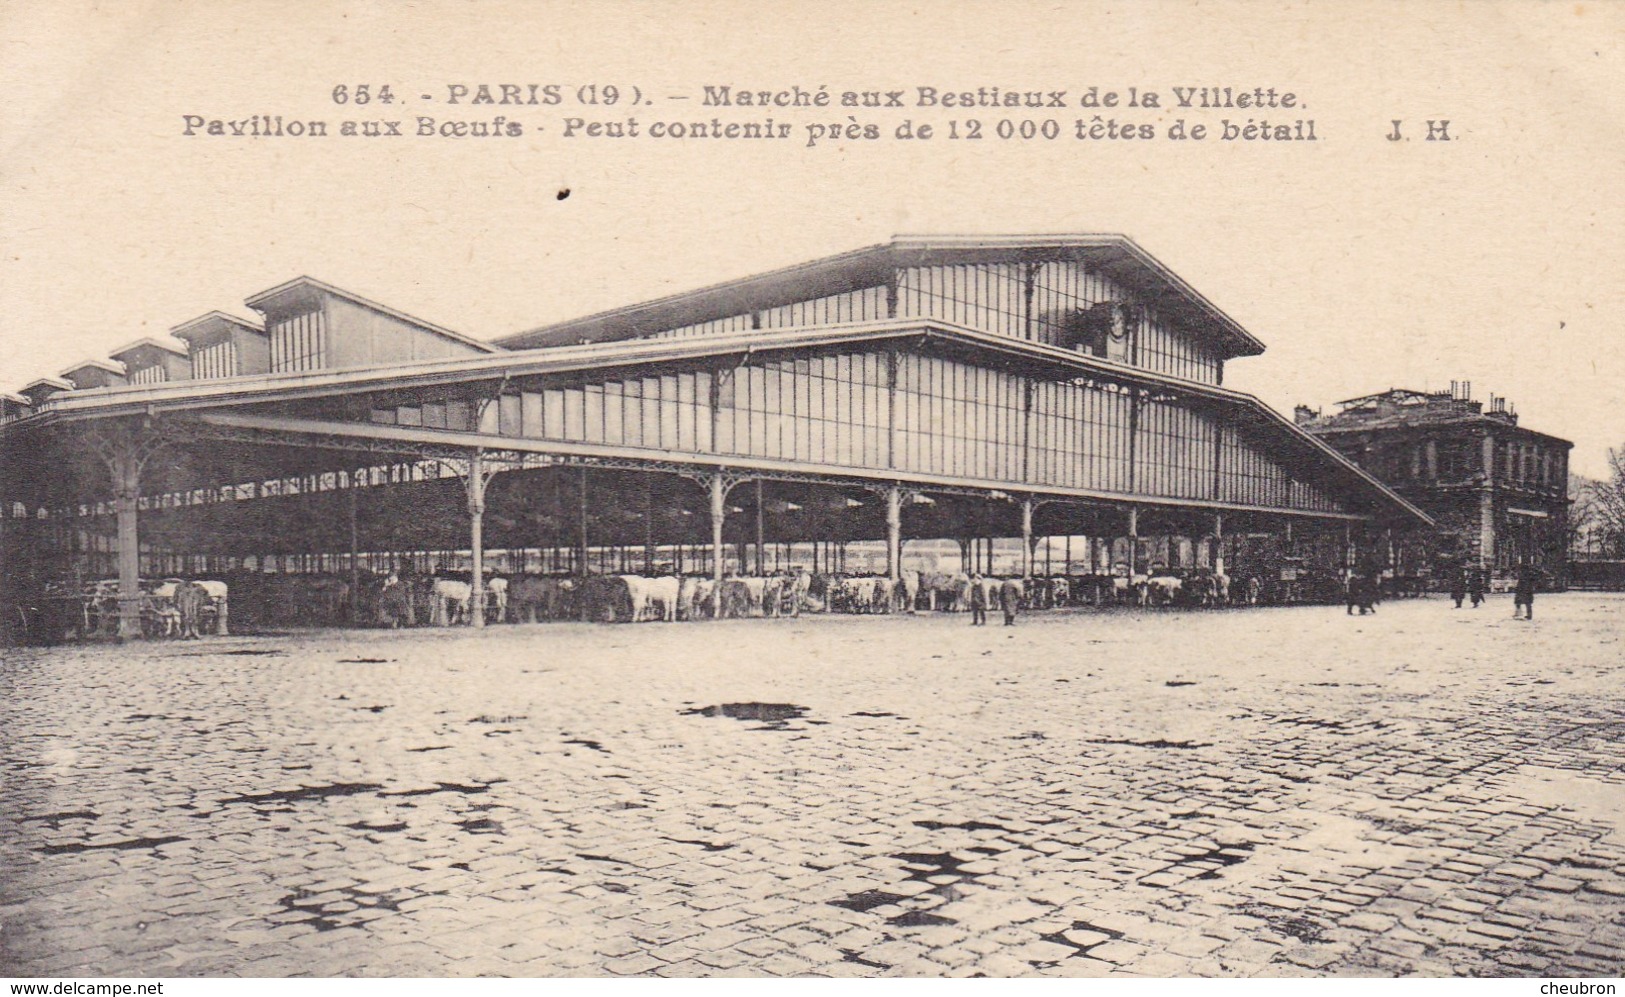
(147, 342)
(1117, 256)
(301, 289)
(212, 324)
(111, 366)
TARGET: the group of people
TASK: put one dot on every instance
(1471, 583)
(1009, 594)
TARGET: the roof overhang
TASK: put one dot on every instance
(184, 396)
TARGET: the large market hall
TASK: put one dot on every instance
(1032, 406)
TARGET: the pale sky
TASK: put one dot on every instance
(1361, 263)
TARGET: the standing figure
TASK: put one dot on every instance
(1524, 594)
(189, 600)
(395, 603)
(1458, 586)
(1362, 593)
(1475, 586)
(978, 602)
(1010, 594)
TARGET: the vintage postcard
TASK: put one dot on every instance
(856, 489)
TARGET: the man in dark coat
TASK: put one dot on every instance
(1010, 593)
(1458, 586)
(1475, 586)
(1362, 592)
(1524, 594)
(978, 602)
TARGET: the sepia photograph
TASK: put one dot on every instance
(775, 490)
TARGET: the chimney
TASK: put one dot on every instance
(1303, 415)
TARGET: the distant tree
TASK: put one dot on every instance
(1582, 518)
(1609, 503)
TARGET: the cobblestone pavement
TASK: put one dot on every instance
(1269, 791)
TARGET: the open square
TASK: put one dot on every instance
(1264, 791)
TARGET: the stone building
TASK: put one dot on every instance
(1497, 490)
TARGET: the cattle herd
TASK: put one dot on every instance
(179, 608)
(446, 599)
(175, 607)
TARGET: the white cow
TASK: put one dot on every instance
(659, 598)
(450, 602)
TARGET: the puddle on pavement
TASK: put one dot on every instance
(130, 845)
(1392, 825)
(54, 821)
(440, 787)
(968, 825)
(479, 825)
(240, 653)
(876, 713)
(772, 716)
(918, 919)
(707, 845)
(939, 870)
(362, 825)
(1175, 684)
(1081, 938)
(365, 661)
(304, 793)
(855, 957)
(1157, 743)
(1212, 860)
(349, 909)
(867, 900)
(585, 743)
(1336, 726)
(934, 868)
(1298, 926)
